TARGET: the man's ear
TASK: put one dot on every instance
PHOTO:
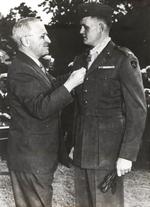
(102, 26)
(25, 42)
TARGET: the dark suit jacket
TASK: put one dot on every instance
(35, 103)
(110, 109)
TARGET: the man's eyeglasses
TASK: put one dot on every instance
(42, 36)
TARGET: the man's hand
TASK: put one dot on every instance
(76, 78)
(123, 166)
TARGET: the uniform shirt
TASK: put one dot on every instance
(94, 52)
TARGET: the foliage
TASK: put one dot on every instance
(6, 43)
(20, 12)
(7, 22)
(64, 12)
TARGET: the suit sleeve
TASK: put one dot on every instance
(39, 100)
(135, 107)
(59, 80)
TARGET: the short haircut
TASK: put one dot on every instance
(22, 28)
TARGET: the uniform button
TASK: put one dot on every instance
(85, 102)
(87, 78)
(85, 90)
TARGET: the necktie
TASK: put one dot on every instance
(87, 60)
(42, 68)
(93, 56)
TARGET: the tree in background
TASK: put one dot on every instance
(20, 12)
(64, 12)
(6, 24)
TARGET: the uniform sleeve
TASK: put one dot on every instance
(39, 100)
(135, 107)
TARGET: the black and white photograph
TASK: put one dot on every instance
(75, 103)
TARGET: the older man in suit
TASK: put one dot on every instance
(36, 99)
(110, 110)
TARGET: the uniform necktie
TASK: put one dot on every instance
(87, 60)
(90, 58)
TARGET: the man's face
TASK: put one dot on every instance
(38, 40)
(90, 30)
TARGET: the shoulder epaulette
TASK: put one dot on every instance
(126, 51)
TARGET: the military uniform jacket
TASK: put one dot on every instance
(110, 109)
(35, 103)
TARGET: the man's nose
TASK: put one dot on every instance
(81, 30)
(47, 39)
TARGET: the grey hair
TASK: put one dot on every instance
(22, 28)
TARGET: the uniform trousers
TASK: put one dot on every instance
(32, 190)
(89, 195)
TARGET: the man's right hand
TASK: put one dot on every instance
(76, 78)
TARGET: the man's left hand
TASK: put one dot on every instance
(123, 166)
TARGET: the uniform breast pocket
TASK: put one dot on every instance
(105, 74)
(105, 78)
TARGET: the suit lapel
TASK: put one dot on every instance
(34, 67)
(43, 76)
